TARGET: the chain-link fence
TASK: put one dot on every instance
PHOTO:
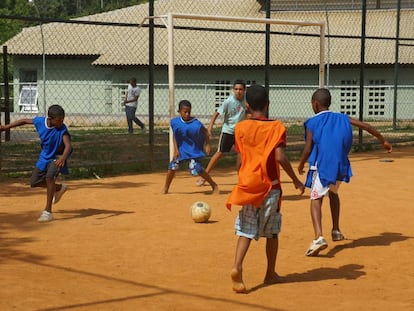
(84, 64)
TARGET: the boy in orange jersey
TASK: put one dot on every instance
(260, 143)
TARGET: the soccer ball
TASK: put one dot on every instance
(200, 211)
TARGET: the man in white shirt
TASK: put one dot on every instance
(131, 102)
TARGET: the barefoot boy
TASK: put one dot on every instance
(260, 143)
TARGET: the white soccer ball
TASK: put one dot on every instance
(200, 211)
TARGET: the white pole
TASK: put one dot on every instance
(43, 68)
(31, 2)
(322, 56)
(171, 77)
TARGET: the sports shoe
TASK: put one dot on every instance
(45, 217)
(58, 194)
(316, 246)
(337, 235)
(200, 182)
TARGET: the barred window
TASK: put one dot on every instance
(223, 89)
(376, 98)
(349, 97)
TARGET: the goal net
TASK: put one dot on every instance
(227, 48)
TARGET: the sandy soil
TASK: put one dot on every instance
(118, 244)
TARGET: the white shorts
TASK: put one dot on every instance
(318, 191)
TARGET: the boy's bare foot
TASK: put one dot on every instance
(215, 189)
(164, 190)
(273, 279)
(238, 285)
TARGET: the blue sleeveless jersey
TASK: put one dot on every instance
(189, 138)
(332, 142)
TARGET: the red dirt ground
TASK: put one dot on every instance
(118, 244)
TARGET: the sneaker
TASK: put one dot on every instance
(58, 194)
(200, 182)
(337, 235)
(316, 246)
(45, 217)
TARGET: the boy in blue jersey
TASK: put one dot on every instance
(233, 110)
(328, 141)
(56, 147)
(190, 136)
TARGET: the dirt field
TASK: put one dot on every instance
(118, 244)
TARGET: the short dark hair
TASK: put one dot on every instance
(241, 82)
(322, 96)
(56, 111)
(184, 103)
(133, 79)
(256, 97)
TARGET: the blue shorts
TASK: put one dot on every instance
(265, 221)
(194, 166)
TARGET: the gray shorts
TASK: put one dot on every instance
(38, 178)
(266, 221)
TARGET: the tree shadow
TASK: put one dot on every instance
(144, 290)
(22, 188)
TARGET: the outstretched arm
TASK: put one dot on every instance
(306, 151)
(284, 162)
(370, 129)
(212, 120)
(206, 140)
(15, 124)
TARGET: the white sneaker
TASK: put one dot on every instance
(45, 217)
(58, 194)
(316, 246)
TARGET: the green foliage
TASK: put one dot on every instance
(59, 9)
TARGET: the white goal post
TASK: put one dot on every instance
(170, 27)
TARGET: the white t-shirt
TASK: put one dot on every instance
(133, 91)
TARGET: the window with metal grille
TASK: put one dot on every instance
(349, 97)
(376, 98)
(223, 89)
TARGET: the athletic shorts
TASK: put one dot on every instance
(319, 191)
(265, 221)
(38, 178)
(194, 166)
(226, 142)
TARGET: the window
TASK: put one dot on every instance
(28, 93)
(376, 98)
(28, 77)
(28, 99)
(349, 97)
(223, 88)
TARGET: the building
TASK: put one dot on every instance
(88, 64)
